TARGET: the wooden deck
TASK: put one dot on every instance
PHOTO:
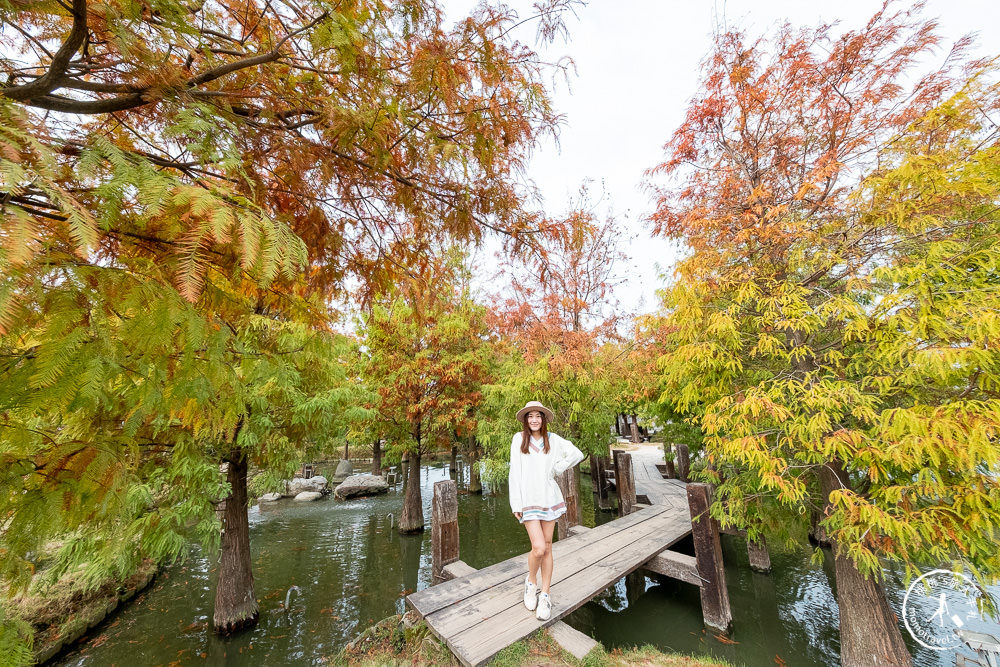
(481, 613)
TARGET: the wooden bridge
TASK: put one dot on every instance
(477, 613)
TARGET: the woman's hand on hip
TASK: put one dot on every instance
(517, 515)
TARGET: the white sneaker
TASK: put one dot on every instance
(544, 610)
(530, 595)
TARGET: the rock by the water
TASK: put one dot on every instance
(300, 484)
(344, 470)
(308, 495)
(270, 497)
(361, 485)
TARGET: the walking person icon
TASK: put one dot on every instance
(941, 611)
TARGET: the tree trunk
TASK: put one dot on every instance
(869, 632)
(453, 464)
(475, 482)
(635, 430)
(235, 602)
(412, 519)
(347, 451)
(377, 457)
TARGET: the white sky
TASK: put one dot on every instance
(637, 66)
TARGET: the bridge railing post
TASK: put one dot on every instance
(568, 486)
(444, 528)
(625, 481)
(708, 551)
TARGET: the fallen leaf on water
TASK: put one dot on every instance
(725, 640)
(778, 661)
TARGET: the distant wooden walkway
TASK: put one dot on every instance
(479, 614)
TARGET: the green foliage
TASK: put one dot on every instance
(425, 353)
(15, 641)
(578, 393)
(886, 368)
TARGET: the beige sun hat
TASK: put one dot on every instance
(534, 406)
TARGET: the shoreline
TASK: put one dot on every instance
(63, 615)
(406, 640)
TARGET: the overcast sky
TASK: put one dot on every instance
(637, 66)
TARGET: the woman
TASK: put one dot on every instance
(536, 457)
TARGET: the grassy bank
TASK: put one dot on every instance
(398, 641)
(61, 613)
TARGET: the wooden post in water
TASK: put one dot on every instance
(760, 559)
(594, 473)
(444, 528)
(567, 485)
(601, 486)
(683, 463)
(625, 482)
(708, 550)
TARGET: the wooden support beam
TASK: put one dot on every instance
(457, 569)
(676, 566)
(708, 550)
(571, 639)
(568, 487)
(625, 482)
(683, 463)
(444, 528)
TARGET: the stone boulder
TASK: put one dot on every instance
(270, 497)
(344, 470)
(299, 485)
(361, 485)
(306, 496)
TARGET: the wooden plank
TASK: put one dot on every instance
(457, 569)
(578, 530)
(676, 566)
(430, 599)
(482, 606)
(485, 604)
(437, 597)
(571, 639)
(574, 641)
(444, 527)
(478, 643)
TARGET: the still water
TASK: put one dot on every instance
(353, 569)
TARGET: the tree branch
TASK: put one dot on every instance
(49, 81)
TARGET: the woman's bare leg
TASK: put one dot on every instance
(547, 529)
(536, 556)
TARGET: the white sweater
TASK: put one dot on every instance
(532, 476)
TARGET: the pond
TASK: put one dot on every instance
(353, 569)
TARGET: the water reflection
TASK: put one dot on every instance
(353, 568)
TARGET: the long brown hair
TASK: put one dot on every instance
(526, 432)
